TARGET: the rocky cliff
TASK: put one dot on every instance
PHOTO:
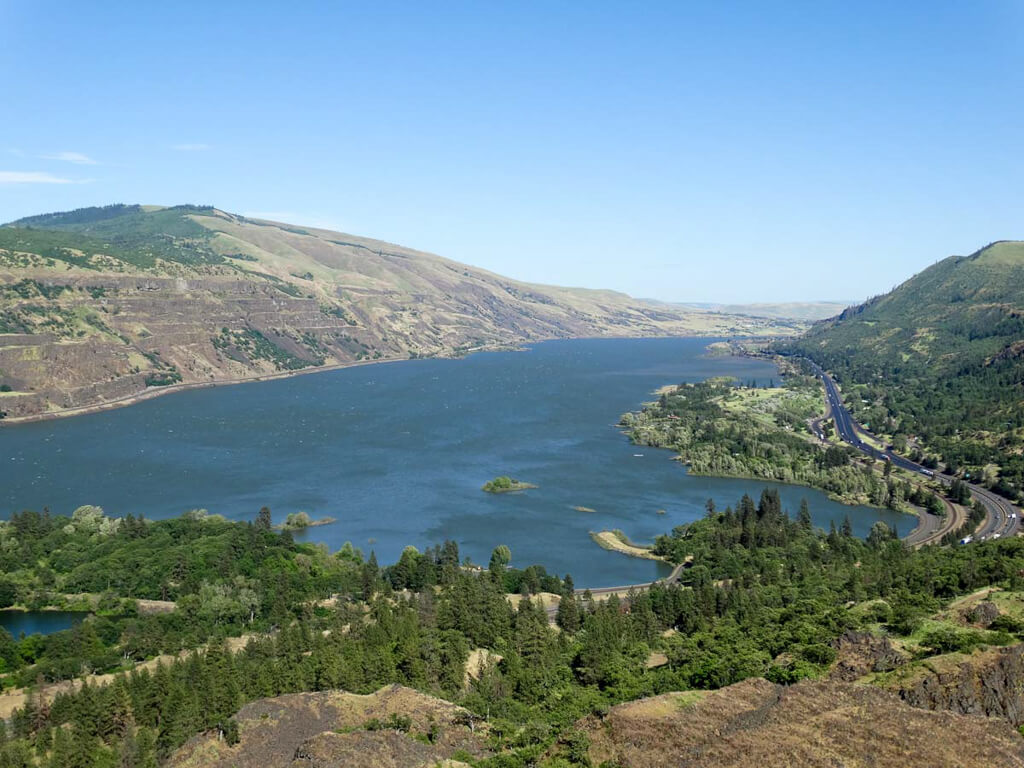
(986, 683)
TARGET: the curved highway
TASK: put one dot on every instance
(1001, 519)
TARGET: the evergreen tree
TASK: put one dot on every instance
(568, 616)
(804, 516)
(264, 521)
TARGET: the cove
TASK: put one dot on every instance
(397, 453)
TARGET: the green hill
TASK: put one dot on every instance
(103, 305)
(940, 359)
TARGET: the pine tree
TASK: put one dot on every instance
(264, 521)
(145, 748)
(568, 617)
(804, 516)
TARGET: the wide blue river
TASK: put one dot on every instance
(397, 452)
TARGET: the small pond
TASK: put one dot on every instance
(43, 622)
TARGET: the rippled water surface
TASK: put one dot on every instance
(397, 453)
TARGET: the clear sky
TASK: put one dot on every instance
(717, 151)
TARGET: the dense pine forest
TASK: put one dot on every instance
(765, 594)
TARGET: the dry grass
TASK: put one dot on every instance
(546, 600)
(656, 659)
(479, 659)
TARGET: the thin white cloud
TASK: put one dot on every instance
(70, 157)
(36, 177)
(190, 147)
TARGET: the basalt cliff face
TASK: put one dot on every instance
(987, 683)
(104, 305)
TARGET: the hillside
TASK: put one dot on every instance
(104, 305)
(334, 728)
(938, 363)
(756, 723)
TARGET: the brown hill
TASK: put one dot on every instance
(104, 305)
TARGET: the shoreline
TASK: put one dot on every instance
(828, 494)
(154, 392)
(617, 541)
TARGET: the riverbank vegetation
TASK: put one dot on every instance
(721, 429)
(767, 596)
(506, 484)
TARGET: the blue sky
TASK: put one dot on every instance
(719, 151)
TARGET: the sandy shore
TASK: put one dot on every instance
(614, 541)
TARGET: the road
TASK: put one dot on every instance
(1002, 518)
(670, 579)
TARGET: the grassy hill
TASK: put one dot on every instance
(939, 362)
(104, 305)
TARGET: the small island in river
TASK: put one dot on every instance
(506, 484)
(297, 521)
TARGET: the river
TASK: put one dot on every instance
(397, 452)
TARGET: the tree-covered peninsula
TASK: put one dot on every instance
(722, 428)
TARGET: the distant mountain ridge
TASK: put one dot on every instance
(940, 358)
(809, 311)
(104, 305)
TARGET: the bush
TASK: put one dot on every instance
(395, 722)
(1006, 623)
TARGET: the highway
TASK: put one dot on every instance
(1002, 518)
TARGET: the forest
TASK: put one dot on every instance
(766, 595)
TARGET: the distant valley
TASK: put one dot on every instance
(101, 306)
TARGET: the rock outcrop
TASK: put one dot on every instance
(861, 653)
(807, 725)
(986, 683)
(334, 729)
